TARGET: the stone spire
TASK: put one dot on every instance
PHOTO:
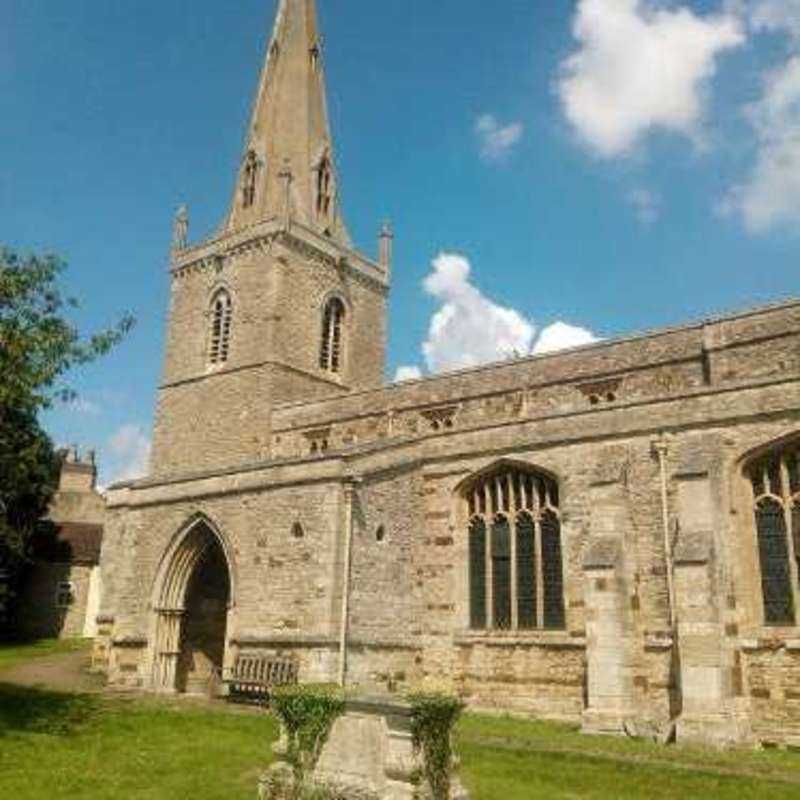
(289, 147)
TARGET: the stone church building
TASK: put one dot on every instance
(608, 535)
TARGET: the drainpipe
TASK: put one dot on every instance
(349, 496)
(660, 449)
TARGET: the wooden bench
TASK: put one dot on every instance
(254, 676)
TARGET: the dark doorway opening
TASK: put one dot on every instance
(202, 646)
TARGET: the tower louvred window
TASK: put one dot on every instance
(776, 492)
(515, 551)
(249, 179)
(324, 188)
(331, 347)
(221, 322)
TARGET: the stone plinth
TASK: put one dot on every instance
(369, 755)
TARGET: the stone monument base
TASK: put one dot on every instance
(369, 755)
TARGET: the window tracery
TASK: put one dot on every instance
(221, 322)
(776, 506)
(330, 351)
(515, 552)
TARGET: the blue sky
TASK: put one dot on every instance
(610, 165)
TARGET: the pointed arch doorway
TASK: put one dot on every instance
(193, 602)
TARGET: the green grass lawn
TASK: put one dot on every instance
(521, 760)
(91, 747)
(86, 747)
(13, 654)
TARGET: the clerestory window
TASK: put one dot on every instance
(776, 504)
(515, 552)
(331, 346)
(221, 322)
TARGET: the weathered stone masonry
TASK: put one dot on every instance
(340, 506)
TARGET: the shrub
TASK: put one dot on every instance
(307, 714)
(432, 719)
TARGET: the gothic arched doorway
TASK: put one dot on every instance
(193, 600)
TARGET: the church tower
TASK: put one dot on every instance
(278, 307)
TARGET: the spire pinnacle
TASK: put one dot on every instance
(289, 134)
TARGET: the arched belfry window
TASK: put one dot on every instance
(221, 321)
(776, 505)
(324, 188)
(515, 551)
(331, 346)
(249, 179)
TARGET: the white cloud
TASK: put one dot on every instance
(497, 140)
(561, 336)
(641, 67)
(407, 374)
(469, 329)
(776, 15)
(129, 449)
(647, 205)
(770, 197)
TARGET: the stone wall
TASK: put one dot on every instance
(278, 288)
(286, 551)
(619, 663)
(43, 618)
(684, 362)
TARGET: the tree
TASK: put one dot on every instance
(38, 346)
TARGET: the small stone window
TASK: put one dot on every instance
(380, 534)
(315, 53)
(249, 179)
(441, 419)
(331, 346)
(297, 531)
(221, 322)
(318, 441)
(515, 551)
(776, 506)
(601, 391)
(65, 594)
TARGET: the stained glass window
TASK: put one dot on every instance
(526, 571)
(477, 574)
(520, 578)
(552, 571)
(501, 573)
(775, 482)
(773, 548)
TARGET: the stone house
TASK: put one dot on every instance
(61, 595)
(607, 535)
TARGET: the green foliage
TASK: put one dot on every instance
(38, 345)
(433, 717)
(307, 714)
(29, 471)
